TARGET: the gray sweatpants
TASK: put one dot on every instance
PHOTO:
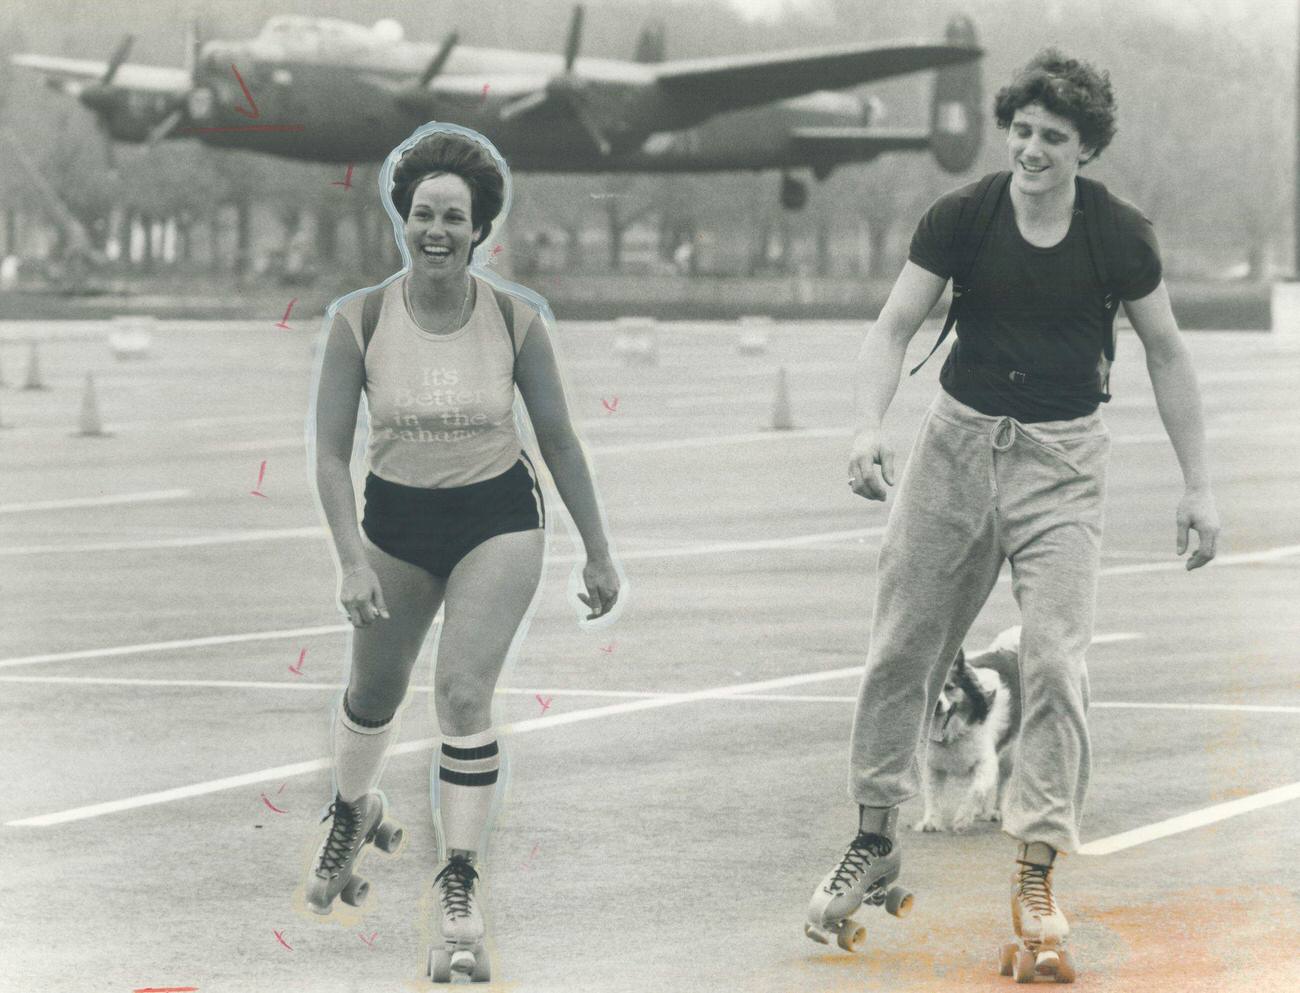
(977, 490)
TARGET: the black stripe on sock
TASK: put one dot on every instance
(464, 754)
(466, 778)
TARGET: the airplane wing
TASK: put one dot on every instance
(699, 88)
(853, 144)
(147, 79)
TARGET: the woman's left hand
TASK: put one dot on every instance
(602, 586)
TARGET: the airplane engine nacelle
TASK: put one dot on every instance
(956, 110)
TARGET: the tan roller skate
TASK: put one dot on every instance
(1041, 928)
(352, 827)
(460, 924)
(865, 874)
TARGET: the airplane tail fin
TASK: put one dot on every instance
(651, 45)
(956, 109)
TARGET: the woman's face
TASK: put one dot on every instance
(1044, 149)
(439, 232)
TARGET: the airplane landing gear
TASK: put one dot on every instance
(794, 193)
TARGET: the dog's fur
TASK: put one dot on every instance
(972, 738)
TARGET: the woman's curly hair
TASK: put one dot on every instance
(1071, 88)
(443, 152)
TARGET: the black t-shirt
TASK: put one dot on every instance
(1037, 310)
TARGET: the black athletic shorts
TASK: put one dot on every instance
(436, 528)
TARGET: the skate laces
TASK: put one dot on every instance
(1034, 888)
(863, 850)
(342, 836)
(457, 879)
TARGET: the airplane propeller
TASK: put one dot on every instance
(567, 90)
(101, 97)
(415, 99)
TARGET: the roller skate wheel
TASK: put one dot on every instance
(388, 837)
(898, 901)
(1065, 969)
(1007, 957)
(440, 965)
(462, 961)
(816, 934)
(850, 935)
(354, 893)
(482, 966)
(1025, 965)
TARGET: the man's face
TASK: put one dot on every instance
(1044, 150)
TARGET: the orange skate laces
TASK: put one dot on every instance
(1035, 888)
(457, 878)
(863, 850)
(343, 833)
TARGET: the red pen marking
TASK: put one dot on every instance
(246, 127)
(272, 806)
(279, 936)
(281, 323)
(609, 407)
(483, 99)
(347, 180)
(260, 473)
(498, 249)
(254, 113)
(371, 940)
(608, 649)
(298, 671)
(545, 703)
(529, 863)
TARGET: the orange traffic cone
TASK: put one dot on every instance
(782, 420)
(90, 425)
(34, 381)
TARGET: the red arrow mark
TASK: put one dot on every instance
(254, 113)
(371, 940)
(483, 98)
(282, 322)
(609, 407)
(347, 180)
(546, 704)
(272, 806)
(257, 491)
(298, 671)
(608, 649)
(279, 936)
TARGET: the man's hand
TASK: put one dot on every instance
(1196, 512)
(871, 465)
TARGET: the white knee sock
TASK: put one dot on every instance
(467, 783)
(359, 753)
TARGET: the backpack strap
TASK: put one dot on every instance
(973, 224)
(374, 303)
(1103, 244)
(370, 308)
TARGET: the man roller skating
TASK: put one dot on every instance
(1009, 465)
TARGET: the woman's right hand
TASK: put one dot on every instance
(869, 451)
(361, 597)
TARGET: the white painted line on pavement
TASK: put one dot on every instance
(422, 745)
(1191, 821)
(150, 496)
(163, 646)
(229, 538)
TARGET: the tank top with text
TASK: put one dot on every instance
(441, 405)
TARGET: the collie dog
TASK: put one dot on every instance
(972, 738)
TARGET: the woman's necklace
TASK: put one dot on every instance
(460, 316)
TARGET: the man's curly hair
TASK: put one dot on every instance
(1071, 88)
(443, 152)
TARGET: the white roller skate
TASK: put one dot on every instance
(352, 827)
(864, 875)
(461, 925)
(1041, 928)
